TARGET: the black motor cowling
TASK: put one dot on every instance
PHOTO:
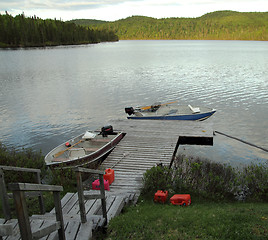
(107, 130)
(129, 110)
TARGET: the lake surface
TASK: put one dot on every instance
(48, 95)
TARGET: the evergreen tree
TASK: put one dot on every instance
(220, 25)
(20, 31)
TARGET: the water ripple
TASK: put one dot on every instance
(50, 95)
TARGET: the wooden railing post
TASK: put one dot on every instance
(4, 197)
(81, 197)
(40, 197)
(59, 215)
(22, 214)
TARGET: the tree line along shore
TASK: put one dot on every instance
(220, 25)
(21, 31)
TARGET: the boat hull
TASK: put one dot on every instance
(188, 117)
(84, 160)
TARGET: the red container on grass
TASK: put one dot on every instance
(161, 196)
(181, 199)
(109, 175)
(96, 185)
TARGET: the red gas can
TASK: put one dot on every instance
(96, 185)
(181, 199)
(160, 196)
(109, 175)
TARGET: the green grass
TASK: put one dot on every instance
(204, 220)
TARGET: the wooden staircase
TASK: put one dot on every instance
(99, 207)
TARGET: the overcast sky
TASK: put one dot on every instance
(112, 10)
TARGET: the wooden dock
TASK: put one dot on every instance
(148, 143)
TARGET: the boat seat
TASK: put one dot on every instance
(194, 109)
(59, 159)
(138, 114)
(92, 149)
(76, 153)
(172, 111)
(100, 139)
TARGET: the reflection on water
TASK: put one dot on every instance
(48, 95)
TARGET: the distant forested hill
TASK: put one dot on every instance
(21, 31)
(220, 25)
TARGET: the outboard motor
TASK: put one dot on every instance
(107, 130)
(129, 110)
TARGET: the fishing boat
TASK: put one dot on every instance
(169, 111)
(84, 149)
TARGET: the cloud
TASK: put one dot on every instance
(49, 7)
(91, 4)
(60, 4)
(73, 4)
(117, 9)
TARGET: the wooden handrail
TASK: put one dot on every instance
(20, 169)
(18, 190)
(87, 170)
(3, 191)
(34, 187)
(81, 196)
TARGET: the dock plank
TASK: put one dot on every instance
(70, 204)
(89, 204)
(64, 200)
(116, 208)
(72, 229)
(148, 143)
(95, 207)
(16, 230)
(85, 231)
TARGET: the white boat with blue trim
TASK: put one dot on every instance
(169, 111)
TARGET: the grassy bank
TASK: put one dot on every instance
(201, 220)
(227, 203)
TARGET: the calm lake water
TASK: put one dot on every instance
(48, 95)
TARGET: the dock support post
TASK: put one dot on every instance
(103, 202)
(174, 153)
